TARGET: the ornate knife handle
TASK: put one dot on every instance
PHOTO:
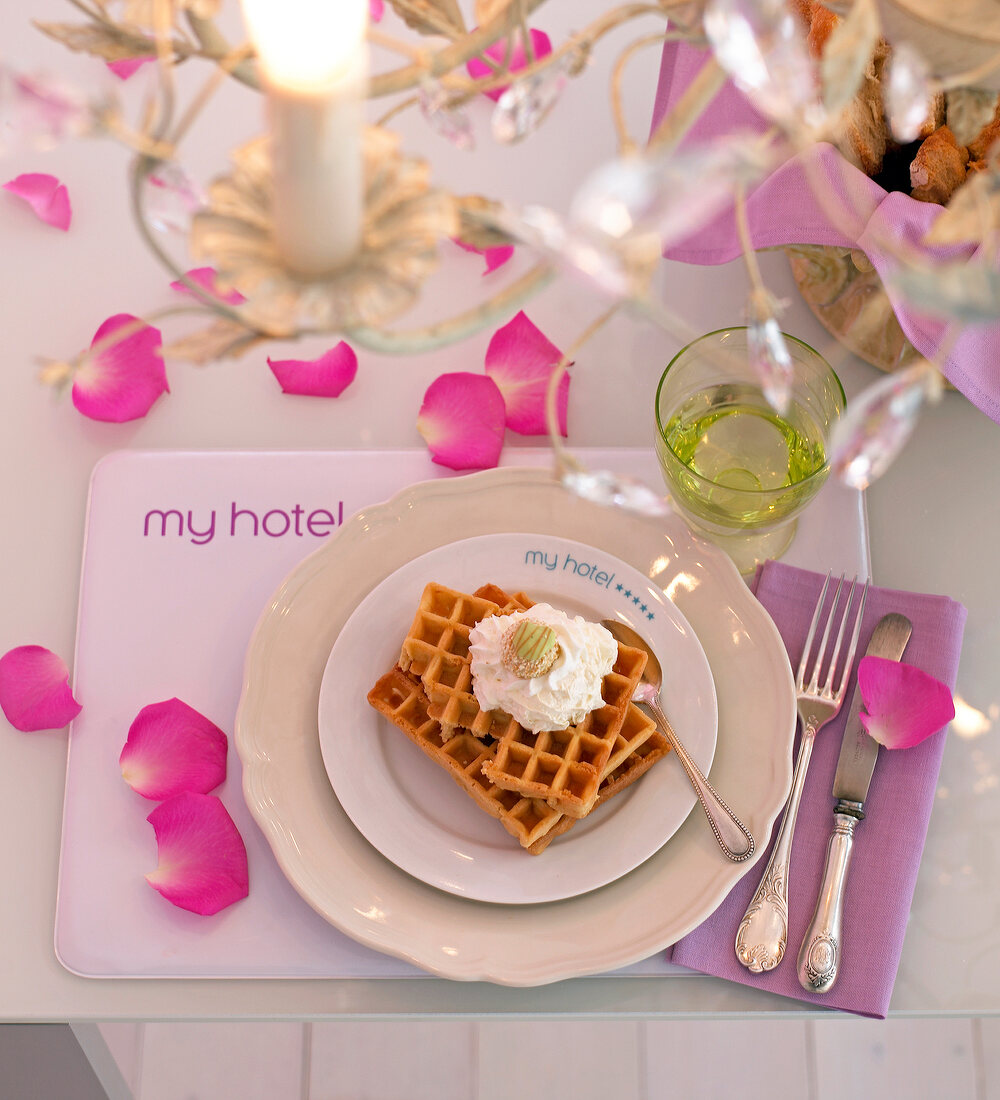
(819, 955)
(763, 932)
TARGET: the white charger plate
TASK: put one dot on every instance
(418, 817)
(367, 897)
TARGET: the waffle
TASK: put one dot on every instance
(437, 650)
(401, 698)
(565, 767)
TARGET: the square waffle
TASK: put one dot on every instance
(400, 697)
(565, 767)
(436, 648)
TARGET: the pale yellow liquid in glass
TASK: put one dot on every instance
(734, 441)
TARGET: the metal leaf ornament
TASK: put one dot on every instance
(972, 215)
(968, 111)
(108, 42)
(431, 16)
(847, 55)
(965, 291)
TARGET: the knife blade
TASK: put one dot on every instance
(858, 751)
(821, 950)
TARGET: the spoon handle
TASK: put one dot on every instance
(733, 836)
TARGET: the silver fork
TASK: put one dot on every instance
(763, 932)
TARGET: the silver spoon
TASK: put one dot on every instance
(733, 836)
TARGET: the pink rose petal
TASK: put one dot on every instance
(520, 359)
(903, 705)
(34, 689)
(376, 9)
(122, 379)
(495, 257)
(462, 420)
(127, 66)
(327, 376)
(202, 858)
(205, 277)
(45, 195)
(171, 748)
(498, 51)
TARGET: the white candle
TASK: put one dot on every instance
(314, 64)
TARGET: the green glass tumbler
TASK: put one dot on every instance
(739, 471)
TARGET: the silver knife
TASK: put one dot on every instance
(820, 953)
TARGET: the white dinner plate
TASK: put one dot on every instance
(411, 810)
(368, 897)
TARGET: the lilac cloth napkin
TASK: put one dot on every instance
(889, 841)
(783, 210)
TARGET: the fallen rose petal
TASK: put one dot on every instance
(520, 359)
(45, 195)
(34, 689)
(202, 858)
(462, 421)
(495, 257)
(477, 68)
(170, 749)
(122, 378)
(127, 66)
(902, 704)
(327, 376)
(206, 277)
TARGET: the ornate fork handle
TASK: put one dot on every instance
(763, 933)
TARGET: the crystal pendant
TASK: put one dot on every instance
(615, 491)
(450, 122)
(40, 111)
(907, 92)
(762, 46)
(879, 422)
(673, 196)
(171, 198)
(526, 104)
(595, 260)
(770, 359)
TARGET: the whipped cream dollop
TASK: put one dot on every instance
(562, 696)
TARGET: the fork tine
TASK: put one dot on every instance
(828, 686)
(821, 652)
(849, 660)
(801, 678)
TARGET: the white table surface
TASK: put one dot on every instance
(933, 528)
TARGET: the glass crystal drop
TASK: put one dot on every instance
(762, 46)
(544, 231)
(879, 422)
(40, 111)
(615, 491)
(771, 361)
(673, 195)
(171, 198)
(907, 92)
(525, 105)
(450, 122)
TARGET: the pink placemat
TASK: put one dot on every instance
(182, 552)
